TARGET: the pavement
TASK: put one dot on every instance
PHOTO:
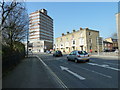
(30, 73)
(105, 55)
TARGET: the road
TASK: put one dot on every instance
(46, 71)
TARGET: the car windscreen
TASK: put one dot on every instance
(58, 52)
(82, 52)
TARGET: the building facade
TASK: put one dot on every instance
(40, 31)
(83, 39)
(110, 44)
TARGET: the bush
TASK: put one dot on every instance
(12, 56)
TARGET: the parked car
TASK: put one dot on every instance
(48, 51)
(116, 51)
(78, 56)
(57, 53)
(106, 50)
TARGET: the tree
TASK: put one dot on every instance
(15, 24)
(5, 9)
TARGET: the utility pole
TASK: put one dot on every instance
(102, 45)
(27, 46)
(98, 46)
(27, 42)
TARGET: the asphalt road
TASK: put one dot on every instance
(46, 71)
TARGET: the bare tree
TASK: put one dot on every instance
(15, 25)
(5, 9)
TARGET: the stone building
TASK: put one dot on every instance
(110, 44)
(83, 39)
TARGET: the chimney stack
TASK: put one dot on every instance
(80, 28)
(67, 32)
(73, 30)
(63, 34)
(87, 28)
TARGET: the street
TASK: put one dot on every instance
(46, 71)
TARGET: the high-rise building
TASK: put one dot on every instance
(40, 31)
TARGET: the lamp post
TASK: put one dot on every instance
(27, 41)
(98, 46)
(27, 47)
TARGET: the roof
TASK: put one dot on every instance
(78, 31)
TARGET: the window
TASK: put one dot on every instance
(73, 53)
(89, 33)
(81, 41)
(66, 39)
(73, 41)
(81, 34)
(82, 52)
(67, 44)
(38, 45)
(72, 36)
(105, 44)
(90, 40)
(41, 45)
(61, 39)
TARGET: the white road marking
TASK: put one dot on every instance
(53, 74)
(88, 69)
(92, 70)
(75, 74)
(111, 63)
(104, 66)
(96, 72)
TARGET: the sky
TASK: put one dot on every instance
(67, 16)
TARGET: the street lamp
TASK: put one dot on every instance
(98, 45)
(27, 42)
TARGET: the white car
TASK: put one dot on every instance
(78, 56)
(116, 51)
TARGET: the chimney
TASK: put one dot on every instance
(67, 32)
(80, 28)
(73, 30)
(63, 34)
(87, 28)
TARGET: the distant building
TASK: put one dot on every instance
(40, 31)
(83, 39)
(110, 44)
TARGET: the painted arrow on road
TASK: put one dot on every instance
(75, 74)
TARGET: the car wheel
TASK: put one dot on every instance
(76, 60)
(88, 60)
(68, 59)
